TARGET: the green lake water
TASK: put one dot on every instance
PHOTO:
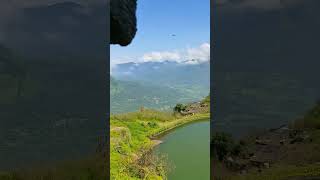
(188, 150)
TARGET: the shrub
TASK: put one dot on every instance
(179, 108)
(152, 124)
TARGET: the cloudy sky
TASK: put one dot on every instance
(158, 22)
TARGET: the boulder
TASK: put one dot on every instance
(262, 142)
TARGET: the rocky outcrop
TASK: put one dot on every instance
(123, 21)
(194, 108)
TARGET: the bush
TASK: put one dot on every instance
(152, 124)
(179, 108)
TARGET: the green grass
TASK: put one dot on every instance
(130, 140)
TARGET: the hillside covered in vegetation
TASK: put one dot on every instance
(157, 85)
(288, 152)
(128, 96)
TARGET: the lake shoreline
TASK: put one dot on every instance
(179, 123)
(156, 139)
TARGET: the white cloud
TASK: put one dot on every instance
(161, 56)
(194, 55)
(198, 54)
(124, 59)
(201, 54)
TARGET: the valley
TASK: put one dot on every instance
(133, 85)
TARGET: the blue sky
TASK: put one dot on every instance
(189, 20)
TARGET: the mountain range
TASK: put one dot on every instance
(159, 85)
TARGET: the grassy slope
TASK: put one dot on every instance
(160, 97)
(304, 161)
(130, 138)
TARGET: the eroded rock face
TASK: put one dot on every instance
(123, 21)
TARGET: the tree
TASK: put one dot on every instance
(179, 108)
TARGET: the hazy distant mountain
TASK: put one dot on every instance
(159, 85)
(165, 73)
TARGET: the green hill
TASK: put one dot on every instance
(128, 96)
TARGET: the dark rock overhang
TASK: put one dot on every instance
(123, 21)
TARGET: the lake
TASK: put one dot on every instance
(188, 151)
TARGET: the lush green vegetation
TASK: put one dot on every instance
(179, 108)
(132, 139)
(128, 96)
